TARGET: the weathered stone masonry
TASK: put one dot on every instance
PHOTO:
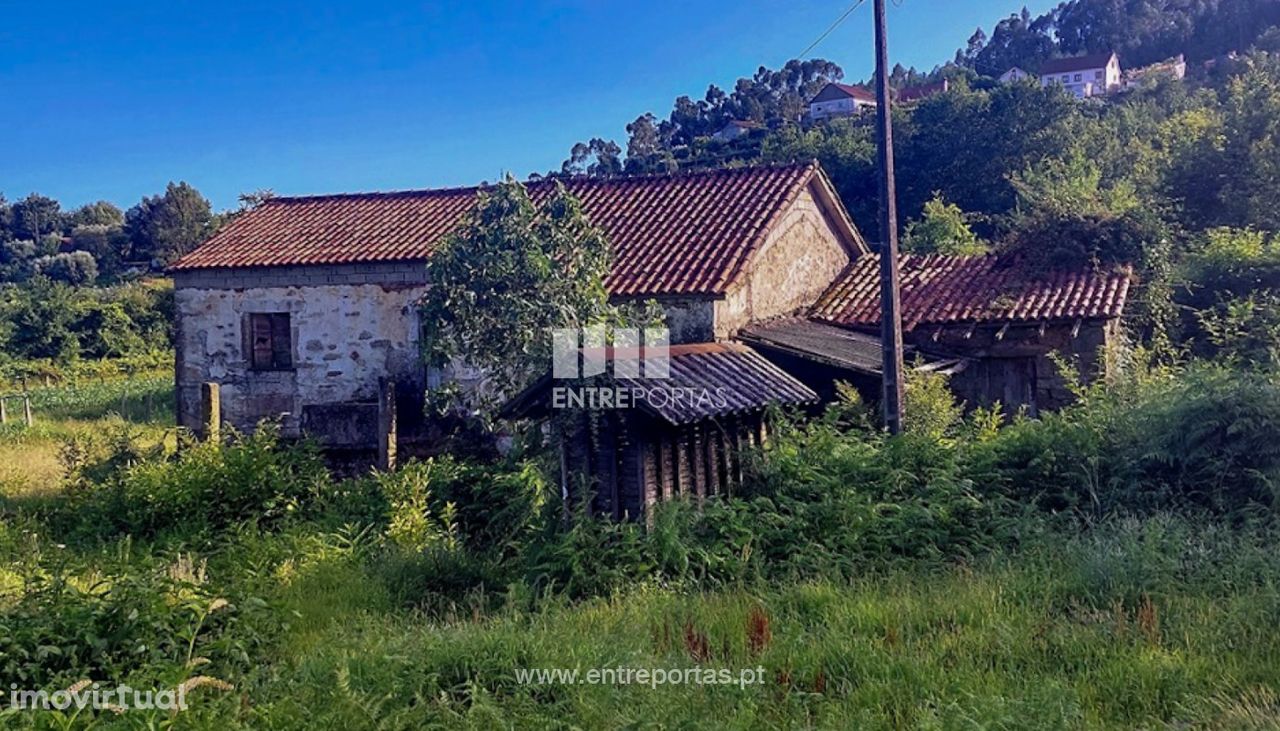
(350, 325)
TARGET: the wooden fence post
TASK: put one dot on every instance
(26, 410)
(386, 425)
(4, 417)
(210, 412)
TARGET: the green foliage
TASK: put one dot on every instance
(205, 486)
(47, 319)
(514, 271)
(942, 229)
(164, 227)
(1226, 289)
(413, 525)
(149, 621)
(76, 268)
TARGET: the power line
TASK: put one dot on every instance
(828, 31)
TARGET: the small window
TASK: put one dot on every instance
(270, 341)
(1066, 77)
(1078, 77)
(1097, 74)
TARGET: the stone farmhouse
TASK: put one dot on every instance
(304, 308)
(298, 307)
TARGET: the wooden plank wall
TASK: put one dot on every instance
(630, 464)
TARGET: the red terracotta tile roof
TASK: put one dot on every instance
(976, 289)
(860, 93)
(671, 235)
(916, 93)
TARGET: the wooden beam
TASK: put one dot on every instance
(972, 327)
(1000, 333)
(1075, 329)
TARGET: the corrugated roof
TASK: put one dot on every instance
(679, 234)
(977, 289)
(814, 340)
(1075, 63)
(707, 381)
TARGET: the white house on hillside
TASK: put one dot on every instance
(841, 100)
(1014, 75)
(1084, 76)
(735, 128)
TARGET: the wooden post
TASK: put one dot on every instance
(4, 417)
(890, 297)
(26, 409)
(210, 412)
(386, 425)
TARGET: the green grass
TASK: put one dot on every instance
(93, 409)
(1135, 624)
(1098, 632)
(1165, 621)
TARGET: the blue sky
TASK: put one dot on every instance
(112, 100)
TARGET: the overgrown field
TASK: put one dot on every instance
(1114, 566)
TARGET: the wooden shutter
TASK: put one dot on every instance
(270, 341)
(260, 340)
(281, 341)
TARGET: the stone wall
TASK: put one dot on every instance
(351, 325)
(799, 259)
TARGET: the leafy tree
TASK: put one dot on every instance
(102, 213)
(76, 268)
(846, 148)
(41, 318)
(16, 258)
(36, 216)
(942, 229)
(109, 246)
(163, 228)
(597, 158)
(965, 144)
(1251, 146)
(513, 271)
(6, 219)
(1018, 40)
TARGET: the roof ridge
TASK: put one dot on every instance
(591, 180)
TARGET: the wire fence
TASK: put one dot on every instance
(138, 398)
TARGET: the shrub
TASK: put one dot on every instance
(76, 268)
(60, 628)
(202, 486)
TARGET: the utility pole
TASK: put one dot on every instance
(890, 297)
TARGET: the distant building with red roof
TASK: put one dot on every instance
(841, 100)
(912, 94)
(1085, 76)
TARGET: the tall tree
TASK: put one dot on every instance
(35, 217)
(6, 219)
(164, 227)
(597, 158)
(102, 213)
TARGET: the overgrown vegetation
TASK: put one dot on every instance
(1109, 566)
